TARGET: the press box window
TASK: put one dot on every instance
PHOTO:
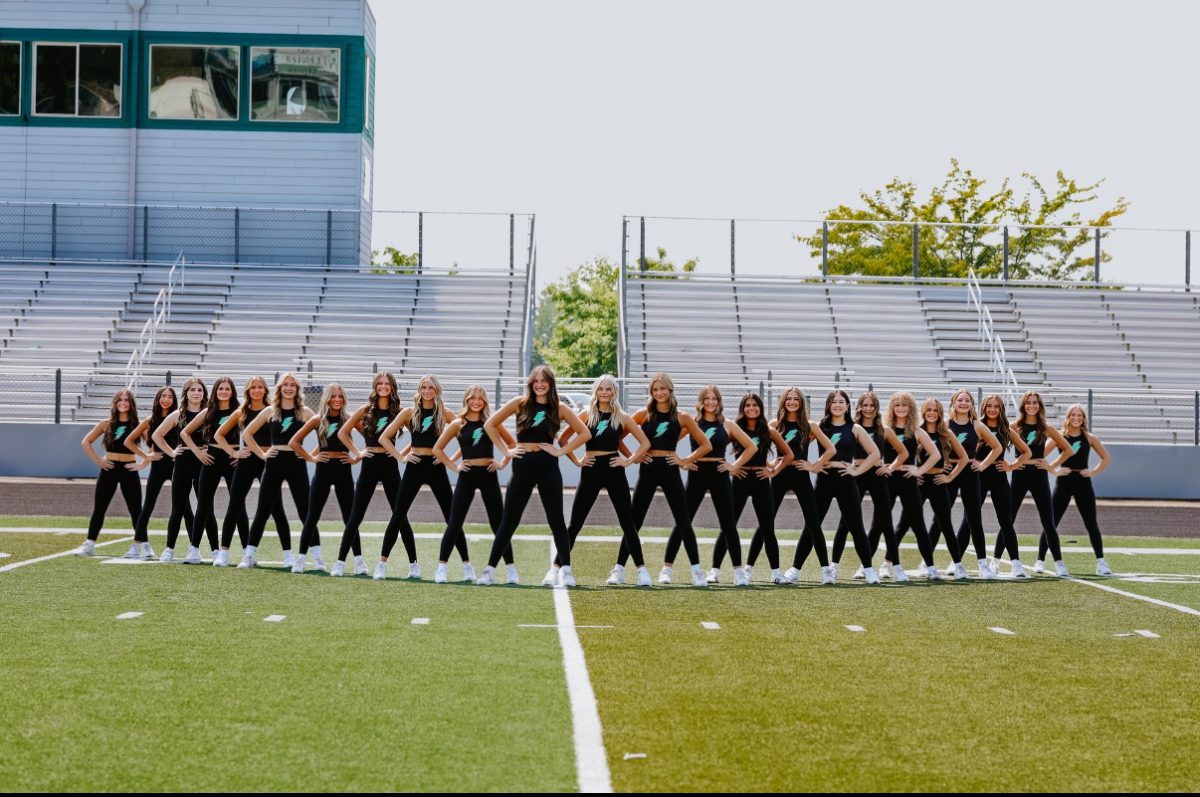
(77, 80)
(193, 82)
(295, 84)
(10, 78)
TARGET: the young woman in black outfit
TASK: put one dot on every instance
(215, 462)
(951, 460)
(994, 481)
(161, 468)
(905, 481)
(1034, 477)
(185, 473)
(118, 468)
(1075, 481)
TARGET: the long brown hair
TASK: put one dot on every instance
(156, 413)
(827, 421)
(214, 407)
(323, 413)
(439, 406)
(760, 425)
(1002, 432)
(369, 417)
(802, 419)
(110, 433)
(180, 420)
(868, 395)
(244, 418)
(910, 423)
(1039, 439)
(672, 404)
(529, 410)
(716, 391)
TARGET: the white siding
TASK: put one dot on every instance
(64, 164)
(310, 17)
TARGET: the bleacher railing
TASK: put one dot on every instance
(160, 313)
(989, 338)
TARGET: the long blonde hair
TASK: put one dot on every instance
(1083, 427)
(245, 417)
(972, 415)
(672, 403)
(703, 393)
(471, 392)
(593, 409)
(277, 397)
(910, 423)
(323, 412)
(439, 406)
(941, 430)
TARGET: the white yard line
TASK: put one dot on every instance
(1002, 631)
(128, 615)
(591, 762)
(1135, 596)
(61, 554)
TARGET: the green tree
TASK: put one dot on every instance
(859, 245)
(392, 261)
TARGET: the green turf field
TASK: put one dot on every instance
(199, 692)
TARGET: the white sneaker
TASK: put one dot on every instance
(993, 565)
(298, 563)
(288, 559)
(513, 576)
(380, 571)
(739, 578)
(1039, 566)
(749, 570)
(168, 555)
(360, 566)
(777, 578)
(664, 575)
(714, 576)
(885, 570)
(833, 570)
(339, 569)
(221, 559)
(414, 570)
(319, 564)
(1018, 569)
(791, 575)
(468, 572)
(871, 575)
(87, 549)
(829, 574)
(568, 578)
(698, 579)
(1060, 569)
(985, 572)
(951, 570)
(922, 571)
(859, 574)
(617, 575)
(487, 578)
(147, 551)
(134, 552)
(248, 561)
(441, 576)
(643, 577)
(193, 556)
(551, 577)
(958, 572)
(932, 573)
(1102, 568)
(901, 576)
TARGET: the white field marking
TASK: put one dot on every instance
(1147, 634)
(420, 621)
(552, 625)
(121, 560)
(632, 756)
(1135, 596)
(1001, 631)
(61, 554)
(855, 628)
(274, 618)
(5, 555)
(591, 762)
(128, 615)
(710, 626)
(1122, 635)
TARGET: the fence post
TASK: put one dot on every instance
(770, 390)
(1187, 260)
(1006, 253)
(733, 248)
(512, 244)
(375, 370)
(237, 235)
(978, 398)
(824, 249)
(54, 231)
(497, 399)
(168, 379)
(58, 395)
(145, 233)
(871, 386)
(420, 242)
(642, 249)
(1091, 402)
(329, 237)
(1196, 424)
(916, 236)
(762, 391)
(1097, 269)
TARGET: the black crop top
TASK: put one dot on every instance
(663, 434)
(1080, 448)
(186, 416)
(208, 431)
(423, 428)
(877, 439)
(1035, 438)
(333, 425)
(982, 449)
(284, 428)
(474, 442)
(372, 432)
(605, 436)
(263, 435)
(716, 434)
(791, 431)
(966, 434)
(539, 430)
(843, 440)
(761, 437)
(909, 441)
(121, 431)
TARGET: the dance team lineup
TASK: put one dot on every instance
(927, 453)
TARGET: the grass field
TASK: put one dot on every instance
(347, 693)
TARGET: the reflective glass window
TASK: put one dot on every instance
(10, 78)
(295, 84)
(193, 82)
(77, 80)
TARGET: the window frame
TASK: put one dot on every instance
(341, 89)
(33, 111)
(20, 78)
(149, 66)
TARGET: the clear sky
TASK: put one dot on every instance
(584, 112)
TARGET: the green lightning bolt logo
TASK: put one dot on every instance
(787, 438)
(539, 417)
(475, 435)
(331, 429)
(425, 422)
(379, 424)
(755, 441)
(901, 437)
(1075, 446)
(600, 427)
(710, 431)
(662, 429)
(287, 424)
(1029, 438)
(836, 437)
(962, 437)
(223, 420)
(120, 431)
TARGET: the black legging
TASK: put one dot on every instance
(1033, 480)
(426, 470)
(161, 471)
(880, 490)
(376, 469)
(1074, 485)
(798, 481)
(760, 494)
(245, 471)
(995, 482)
(335, 474)
(938, 496)
(595, 477)
(845, 490)
(487, 484)
(185, 480)
(534, 469)
(909, 492)
(707, 479)
(659, 472)
(288, 467)
(210, 477)
(106, 487)
(966, 486)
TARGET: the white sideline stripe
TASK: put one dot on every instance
(420, 621)
(1001, 631)
(5, 555)
(1147, 634)
(591, 762)
(550, 625)
(274, 618)
(121, 560)
(128, 615)
(710, 626)
(855, 628)
(1135, 596)
(59, 555)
